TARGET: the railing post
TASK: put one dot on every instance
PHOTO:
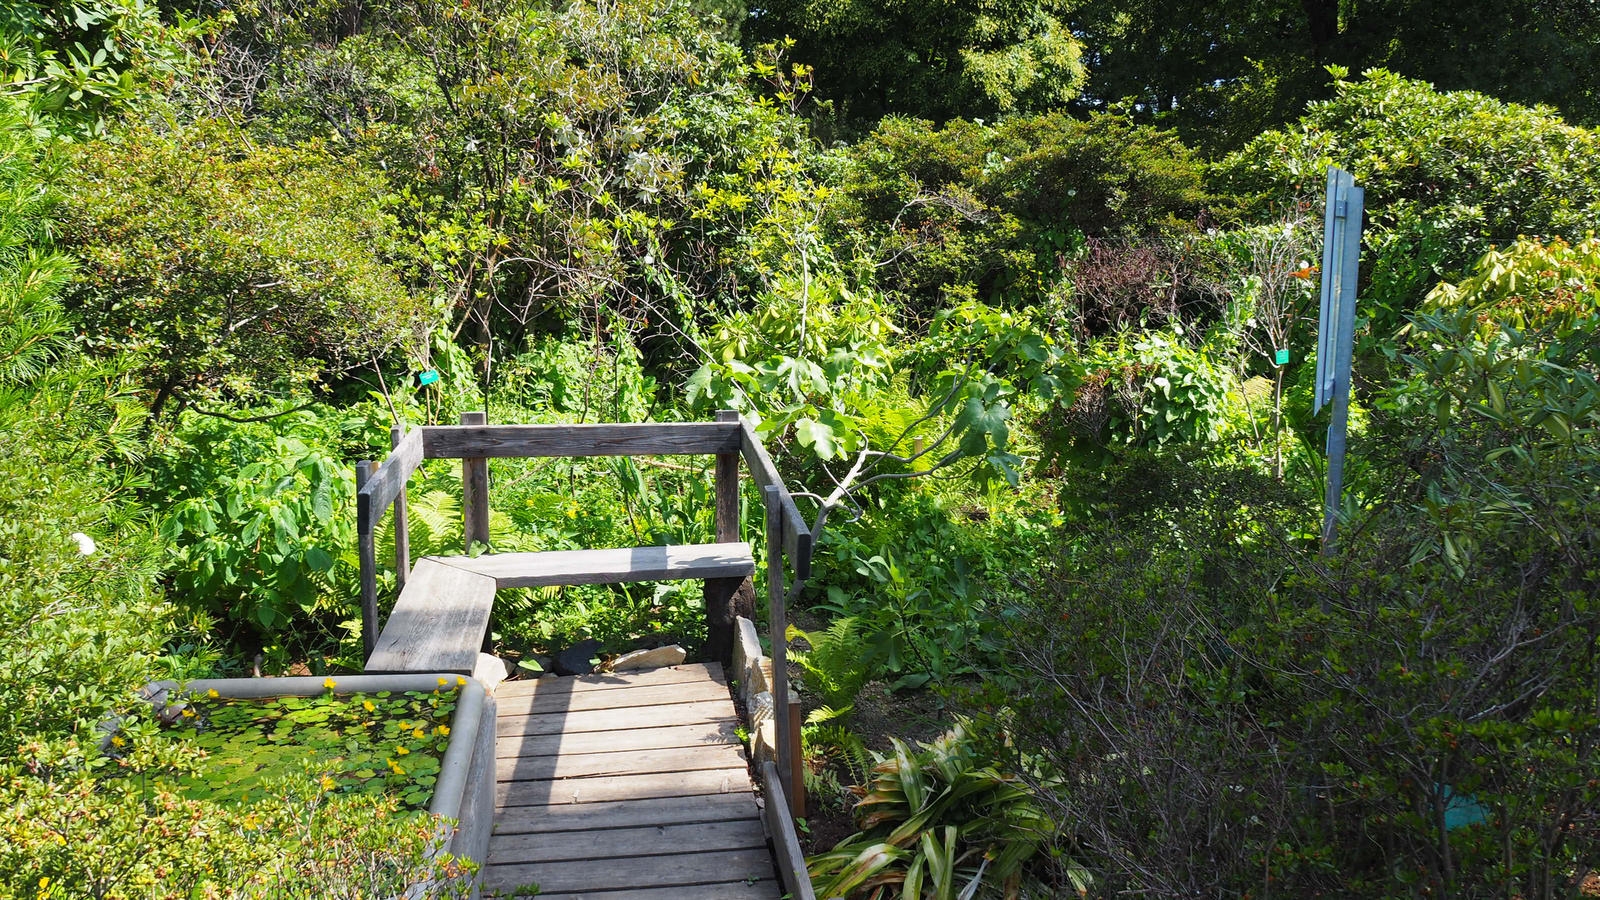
(778, 620)
(722, 594)
(474, 492)
(369, 573)
(402, 531)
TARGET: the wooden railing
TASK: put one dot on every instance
(381, 488)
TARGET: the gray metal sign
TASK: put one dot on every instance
(1341, 255)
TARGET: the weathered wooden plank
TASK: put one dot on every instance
(606, 681)
(387, 480)
(791, 861)
(635, 872)
(727, 890)
(613, 719)
(765, 475)
(474, 491)
(658, 840)
(708, 734)
(620, 787)
(591, 818)
(635, 762)
(437, 624)
(584, 701)
(721, 593)
(367, 555)
(613, 565)
(726, 485)
(640, 439)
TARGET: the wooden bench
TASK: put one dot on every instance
(442, 614)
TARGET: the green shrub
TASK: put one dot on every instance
(259, 515)
(79, 622)
(229, 269)
(964, 58)
(1447, 176)
(75, 824)
(1413, 715)
(996, 207)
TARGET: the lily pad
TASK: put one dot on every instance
(340, 740)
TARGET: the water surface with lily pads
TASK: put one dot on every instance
(359, 743)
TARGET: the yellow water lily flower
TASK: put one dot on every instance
(444, 681)
(213, 694)
(328, 783)
(401, 751)
(118, 741)
(443, 729)
(329, 683)
(418, 734)
(460, 681)
(367, 705)
(188, 713)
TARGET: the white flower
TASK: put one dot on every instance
(85, 543)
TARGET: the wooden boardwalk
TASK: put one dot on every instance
(626, 787)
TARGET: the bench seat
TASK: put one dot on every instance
(439, 620)
(611, 566)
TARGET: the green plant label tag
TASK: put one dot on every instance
(426, 378)
(1283, 357)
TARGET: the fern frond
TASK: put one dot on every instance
(838, 664)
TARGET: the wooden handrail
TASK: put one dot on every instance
(637, 439)
(765, 474)
(375, 496)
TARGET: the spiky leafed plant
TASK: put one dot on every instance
(937, 825)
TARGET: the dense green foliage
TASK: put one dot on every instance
(996, 208)
(231, 270)
(1447, 176)
(1036, 362)
(1222, 72)
(934, 60)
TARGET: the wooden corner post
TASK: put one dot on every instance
(474, 492)
(369, 570)
(722, 593)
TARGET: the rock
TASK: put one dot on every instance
(577, 659)
(763, 729)
(670, 655)
(747, 658)
(491, 670)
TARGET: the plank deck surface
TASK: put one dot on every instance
(629, 786)
(438, 622)
(614, 565)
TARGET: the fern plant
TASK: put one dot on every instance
(836, 667)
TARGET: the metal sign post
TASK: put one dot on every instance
(1341, 254)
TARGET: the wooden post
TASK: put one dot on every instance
(797, 759)
(721, 593)
(777, 619)
(402, 531)
(474, 492)
(369, 574)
